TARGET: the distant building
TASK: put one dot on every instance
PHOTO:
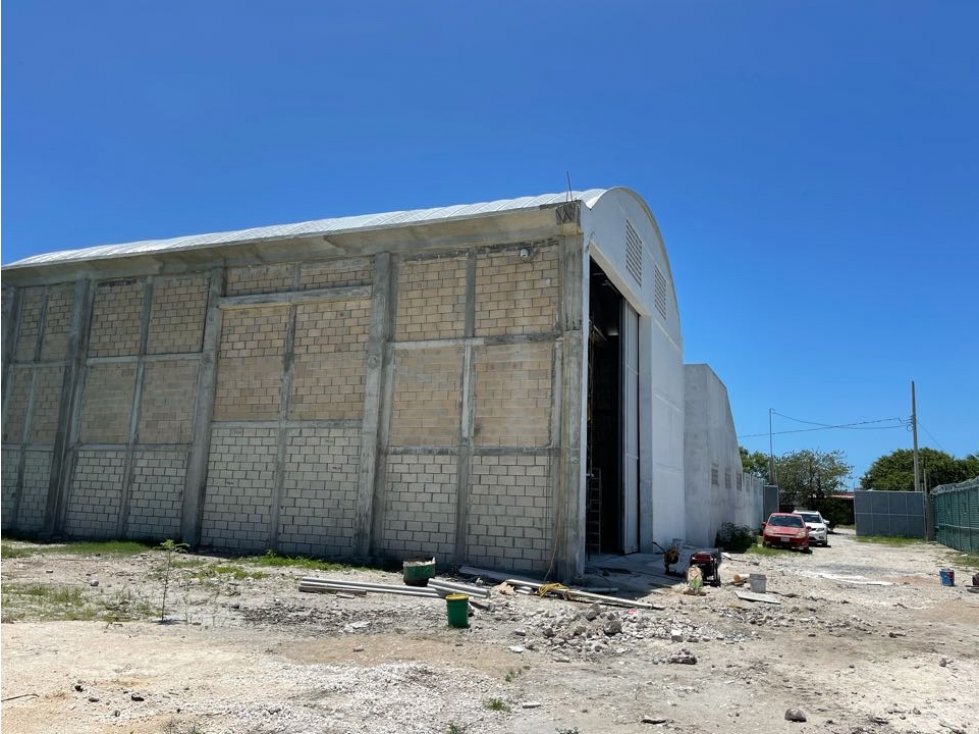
(500, 384)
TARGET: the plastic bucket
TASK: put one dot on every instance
(457, 609)
(758, 582)
(947, 575)
(418, 572)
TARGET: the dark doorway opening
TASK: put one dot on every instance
(604, 509)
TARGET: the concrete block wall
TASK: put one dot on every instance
(167, 399)
(458, 401)
(156, 493)
(250, 364)
(96, 493)
(512, 389)
(36, 324)
(107, 400)
(420, 506)
(177, 314)
(57, 322)
(9, 471)
(34, 494)
(472, 368)
(319, 500)
(329, 360)
(116, 312)
(510, 513)
(427, 397)
(240, 479)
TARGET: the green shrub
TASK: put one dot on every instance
(736, 538)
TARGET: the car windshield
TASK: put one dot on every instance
(786, 521)
(811, 517)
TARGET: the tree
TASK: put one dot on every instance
(807, 478)
(895, 471)
(971, 465)
(755, 463)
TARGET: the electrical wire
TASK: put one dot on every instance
(857, 426)
(937, 442)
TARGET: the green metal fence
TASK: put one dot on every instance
(956, 515)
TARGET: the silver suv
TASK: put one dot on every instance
(818, 532)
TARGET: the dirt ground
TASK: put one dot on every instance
(255, 656)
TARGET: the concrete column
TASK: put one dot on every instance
(569, 531)
(69, 409)
(196, 480)
(127, 474)
(464, 462)
(281, 432)
(374, 400)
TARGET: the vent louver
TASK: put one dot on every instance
(659, 292)
(633, 252)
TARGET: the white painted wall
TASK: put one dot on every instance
(661, 392)
(710, 443)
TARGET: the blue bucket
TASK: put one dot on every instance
(947, 575)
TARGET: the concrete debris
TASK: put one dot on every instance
(754, 596)
(531, 705)
(518, 649)
(613, 627)
(654, 720)
(952, 727)
(683, 657)
(795, 714)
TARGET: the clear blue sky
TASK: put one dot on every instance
(814, 166)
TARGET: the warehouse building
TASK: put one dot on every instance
(500, 384)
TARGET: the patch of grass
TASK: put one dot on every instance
(496, 704)
(272, 559)
(8, 550)
(961, 558)
(760, 550)
(454, 728)
(174, 727)
(512, 675)
(79, 548)
(57, 603)
(227, 571)
(894, 540)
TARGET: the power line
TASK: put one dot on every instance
(937, 442)
(825, 426)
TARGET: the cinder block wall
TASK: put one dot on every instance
(393, 405)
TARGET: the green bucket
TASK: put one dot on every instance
(457, 607)
(418, 572)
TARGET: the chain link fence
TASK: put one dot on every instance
(956, 514)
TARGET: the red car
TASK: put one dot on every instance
(786, 530)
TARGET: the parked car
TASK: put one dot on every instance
(786, 530)
(818, 531)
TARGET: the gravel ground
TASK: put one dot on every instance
(254, 655)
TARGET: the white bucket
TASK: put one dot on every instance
(758, 581)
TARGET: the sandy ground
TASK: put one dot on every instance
(258, 657)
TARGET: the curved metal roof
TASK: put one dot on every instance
(312, 228)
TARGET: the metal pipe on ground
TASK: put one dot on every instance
(458, 587)
(328, 589)
(314, 584)
(584, 596)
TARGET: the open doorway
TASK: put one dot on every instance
(612, 495)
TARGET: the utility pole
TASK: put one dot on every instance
(772, 479)
(914, 432)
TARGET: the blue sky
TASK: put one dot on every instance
(814, 166)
